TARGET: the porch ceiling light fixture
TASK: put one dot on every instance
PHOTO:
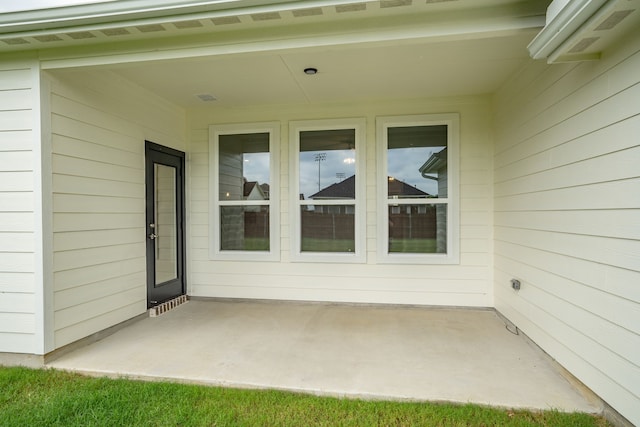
(311, 71)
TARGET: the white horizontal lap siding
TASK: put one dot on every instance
(466, 284)
(19, 131)
(99, 125)
(567, 216)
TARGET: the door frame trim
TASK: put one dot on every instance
(181, 199)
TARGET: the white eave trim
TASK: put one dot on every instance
(564, 18)
(123, 11)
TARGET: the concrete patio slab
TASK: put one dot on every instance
(403, 353)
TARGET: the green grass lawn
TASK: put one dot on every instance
(54, 398)
(310, 244)
(417, 246)
(420, 246)
(256, 244)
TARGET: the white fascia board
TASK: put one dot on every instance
(123, 11)
(562, 24)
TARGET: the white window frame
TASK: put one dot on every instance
(359, 255)
(215, 253)
(452, 201)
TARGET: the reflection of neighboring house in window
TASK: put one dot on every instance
(436, 168)
(265, 190)
(346, 189)
(436, 164)
(343, 190)
(253, 191)
(399, 190)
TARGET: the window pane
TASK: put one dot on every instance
(244, 228)
(418, 228)
(417, 162)
(328, 228)
(243, 165)
(327, 164)
(165, 223)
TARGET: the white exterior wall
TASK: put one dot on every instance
(567, 210)
(467, 284)
(99, 125)
(21, 291)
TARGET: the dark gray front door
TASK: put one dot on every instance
(165, 223)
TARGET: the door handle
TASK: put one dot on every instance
(152, 236)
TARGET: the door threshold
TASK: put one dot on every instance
(159, 309)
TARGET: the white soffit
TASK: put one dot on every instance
(579, 30)
(178, 24)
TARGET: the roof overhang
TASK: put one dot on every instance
(160, 25)
(434, 163)
(251, 53)
(579, 30)
(114, 12)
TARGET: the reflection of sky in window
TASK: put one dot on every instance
(256, 167)
(404, 164)
(337, 166)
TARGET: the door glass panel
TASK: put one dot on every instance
(165, 223)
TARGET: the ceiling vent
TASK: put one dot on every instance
(16, 41)
(150, 28)
(183, 25)
(48, 38)
(226, 20)
(206, 97)
(579, 30)
(267, 16)
(81, 35)
(301, 13)
(114, 32)
(394, 3)
(355, 7)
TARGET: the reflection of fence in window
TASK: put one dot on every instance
(256, 225)
(231, 228)
(244, 228)
(412, 222)
(328, 225)
(418, 228)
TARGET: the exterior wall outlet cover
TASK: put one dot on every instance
(515, 284)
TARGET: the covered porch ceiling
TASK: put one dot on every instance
(345, 74)
(363, 51)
